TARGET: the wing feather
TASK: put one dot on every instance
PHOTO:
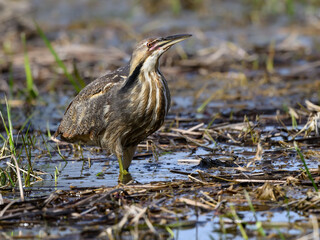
(84, 118)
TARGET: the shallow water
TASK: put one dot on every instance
(220, 75)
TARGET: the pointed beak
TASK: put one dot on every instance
(166, 42)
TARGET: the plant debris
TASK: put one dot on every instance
(238, 155)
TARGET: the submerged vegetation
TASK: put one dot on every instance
(238, 155)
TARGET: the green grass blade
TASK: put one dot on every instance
(48, 130)
(238, 222)
(294, 122)
(305, 165)
(57, 59)
(60, 154)
(8, 128)
(170, 232)
(204, 104)
(56, 175)
(32, 92)
(1, 136)
(258, 223)
(212, 120)
(46, 145)
(28, 155)
(13, 184)
(280, 234)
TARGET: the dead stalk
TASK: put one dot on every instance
(19, 178)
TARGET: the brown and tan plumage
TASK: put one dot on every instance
(120, 109)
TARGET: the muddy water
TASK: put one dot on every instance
(78, 172)
(227, 69)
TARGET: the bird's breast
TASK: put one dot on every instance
(149, 104)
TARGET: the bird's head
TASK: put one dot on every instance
(147, 52)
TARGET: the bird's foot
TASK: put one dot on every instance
(124, 177)
(121, 169)
(124, 172)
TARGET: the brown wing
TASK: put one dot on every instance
(84, 117)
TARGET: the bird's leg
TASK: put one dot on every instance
(121, 170)
(123, 174)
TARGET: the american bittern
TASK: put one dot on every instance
(119, 110)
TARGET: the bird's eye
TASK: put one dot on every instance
(149, 44)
